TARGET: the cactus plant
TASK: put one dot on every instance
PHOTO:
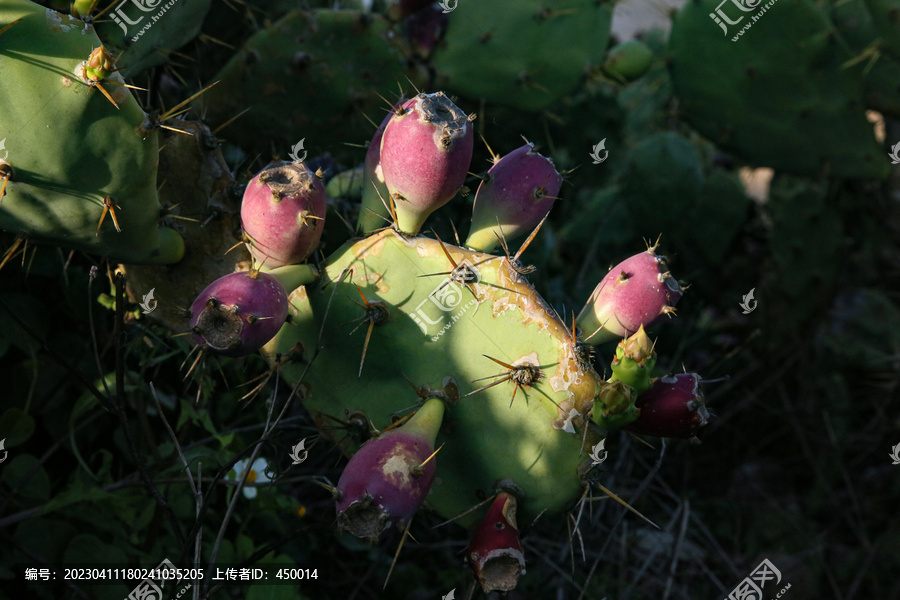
(81, 169)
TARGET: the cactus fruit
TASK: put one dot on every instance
(633, 294)
(628, 61)
(283, 213)
(744, 96)
(495, 552)
(69, 149)
(238, 313)
(519, 191)
(673, 407)
(388, 478)
(426, 151)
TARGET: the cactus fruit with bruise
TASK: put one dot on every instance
(70, 148)
(388, 478)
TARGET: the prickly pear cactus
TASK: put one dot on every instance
(433, 332)
(746, 94)
(82, 166)
(482, 57)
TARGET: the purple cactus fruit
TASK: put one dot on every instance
(373, 214)
(673, 407)
(426, 151)
(386, 481)
(400, 9)
(632, 294)
(238, 313)
(495, 550)
(283, 213)
(520, 190)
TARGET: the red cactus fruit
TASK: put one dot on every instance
(495, 550)
(673, 407)
(520, 190)
(388, 478)
(426, 151)
(283, 213)
(238, 313)
(632, 294)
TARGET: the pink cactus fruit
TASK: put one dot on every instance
(239, 313)
(495, 550)
(283, 213)
(426, 151)
(519, 191)
(635, 292)
(388, 478)
(673, 407)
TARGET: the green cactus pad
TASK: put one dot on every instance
(779, 96)
(155, 34)
(309, 76)
(69, 147)
(886, 20)
(525, 54)
(485, 438)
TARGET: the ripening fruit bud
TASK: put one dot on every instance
(495, 550)
(673, 407)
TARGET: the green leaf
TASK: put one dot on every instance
(37, 486)
(17, 426)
